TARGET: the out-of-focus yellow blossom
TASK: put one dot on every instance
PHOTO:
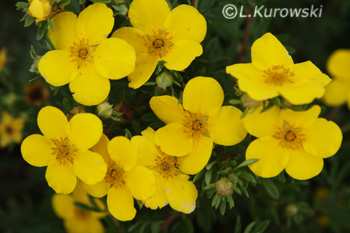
(192, 128)
(125, 178)
(84, 57)
(64, 149)
(172, 185)
(3, 58)
(76, 219)
(162, 34)
(10, 129)
(39, 9)
(338, 91)
(295, 141)
(273, 73)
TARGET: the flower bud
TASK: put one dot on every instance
(224, 187)
(105, 110)
(291, 210)
(164, 80)
(248, 102)
(39, 9)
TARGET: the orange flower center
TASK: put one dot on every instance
(289, 136)
(64, 150)
(115, 175)
(81, 53)
(278, 75)
(195, 124)
(166, 165)
(158, 43)
(9, 130)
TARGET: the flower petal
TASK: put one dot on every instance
(60, 178)
(144, 68)
(182, 194)
(158, 199)
(90, 167)
(143, 17)
(337, 93)
(173, 140)
(338, 64)
(251, 81)
(101, 148)
(56, 67)
(194, 162)
(268, 51)
(115, 58)
(147, 151)
(52, 122)
(121, 204)
(323, 138)
(96, 22)
(133, 36)
(186, 23)
(86, 130)
(90, 89)
(167, 108)
(226, 128)
(63, 31)
(123, 151)
(301, 118)
(36, 150)
(182, 54)
(262, 123)
(141, 190)
(272, 159)
(97, 190)
(195, 102)
(303, 166)
(63, 205)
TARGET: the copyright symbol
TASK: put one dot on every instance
(229, 11)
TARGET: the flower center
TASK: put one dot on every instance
(81, 53)
(166, 165)
(195, 124)
(158, 43)
(64, 150)
(9, 130)
(289, 136)
(278, 75)
(115, 175)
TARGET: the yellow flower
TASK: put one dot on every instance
(3, 58)
(10, 129)
(273, 73)
(338, 91)
(172, 185)
(161, 34)
(125, 178)
(39, 9)
(64, 149)
(84, 57)
(192, 128)
(78, 220)
(295, 141)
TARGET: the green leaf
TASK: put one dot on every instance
(271, 189)
(246, 163)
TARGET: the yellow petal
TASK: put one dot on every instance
(147, 151)
(90, 167)
(323, 138)
(310, 84)
(187, 23)
(97, 190)
(123, 151)
(226, 128)
(338, 64)
(195, 101)
(303, 166)
(121, 204)
(262, 123)
(63, 31)
(60, 178)
(173, 140)
(86, 130)
(182, 54)
(182, 194)
(268, 51)
(36, 150)
(301, 118)
(83, 225)
(56, 67)
(337, 93)
(63, 205)
(158, 199)
(95, 22)
(194, 162)
(143, 17)
(101, 147)
(272, 159)
(90, 89)
(251, 81)
(115, 58)
(144, 68)
(133, 36)
(167, 108)
(141, 190)
(52, 122)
